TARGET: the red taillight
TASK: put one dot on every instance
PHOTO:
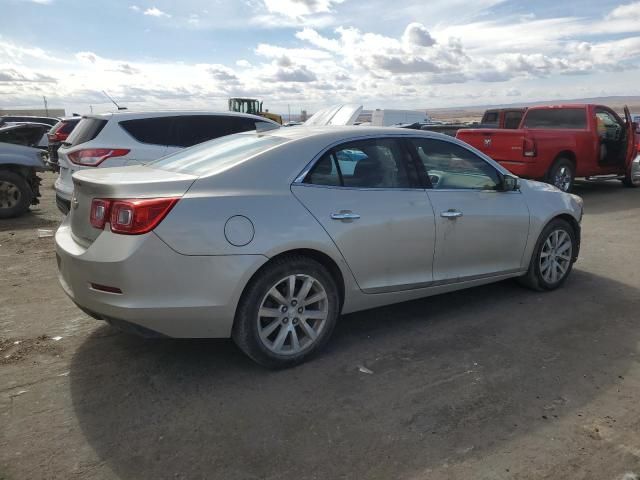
(99, 212)
(92, 157)
(131, 216)
(529, 147)
(57, 137)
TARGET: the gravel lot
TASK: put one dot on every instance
(495, 382)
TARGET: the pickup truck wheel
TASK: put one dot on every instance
(15, 194)
(562, 174)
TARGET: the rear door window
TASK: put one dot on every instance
(512, 120)
(153, 131)
(67, 126)
(378, 163)
(87, 130)
(556, 118)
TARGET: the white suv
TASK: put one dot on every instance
(127, 138)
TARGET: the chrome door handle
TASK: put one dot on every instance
(451, 214)
(345, 216)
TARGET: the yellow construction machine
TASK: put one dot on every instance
(253, 106)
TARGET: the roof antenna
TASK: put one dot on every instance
(113, 101)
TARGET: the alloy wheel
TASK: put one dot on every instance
(555, 257)
(562, 179)
(292, 314)
(9, 194)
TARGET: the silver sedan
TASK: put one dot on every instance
(267, 237)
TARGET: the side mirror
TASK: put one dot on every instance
(509, 183)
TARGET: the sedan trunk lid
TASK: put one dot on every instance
(124, 182)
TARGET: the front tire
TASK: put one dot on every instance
(562, 174)
(553, 257)
(15, 194)
(287, 313)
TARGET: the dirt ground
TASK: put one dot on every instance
(496, 382)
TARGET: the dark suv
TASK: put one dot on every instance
(57, 135)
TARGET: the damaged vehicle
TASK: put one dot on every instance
(21, 158)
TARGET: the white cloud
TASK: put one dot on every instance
(156, 12)
(418, 35)
(300, 8)
(630, 11)
(421, 63)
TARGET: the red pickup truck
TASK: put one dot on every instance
(558, 143)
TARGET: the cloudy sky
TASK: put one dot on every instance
(308, 53)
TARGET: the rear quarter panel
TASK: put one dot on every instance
(260, 192)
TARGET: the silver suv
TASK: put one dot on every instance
(129, 138)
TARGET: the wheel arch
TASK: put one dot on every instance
(24, 171)
(320, 257)
(565, 154)
(575, 225)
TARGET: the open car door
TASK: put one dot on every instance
(631, 138)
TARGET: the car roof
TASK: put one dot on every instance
(15, 125)
(338, 133)
(127, 115)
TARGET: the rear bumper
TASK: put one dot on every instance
(162, 291)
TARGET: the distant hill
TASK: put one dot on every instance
(474, 113)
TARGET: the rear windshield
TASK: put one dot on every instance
(67, 126)
(217, 155)
(573, 118)
(85, 131)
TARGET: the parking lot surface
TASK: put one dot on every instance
(495, 382)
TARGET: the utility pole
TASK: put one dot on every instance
(46, 107)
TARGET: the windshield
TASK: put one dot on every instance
(217, 155)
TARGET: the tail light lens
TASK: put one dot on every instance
(57, 137)
(131, 216)
(529, 147)
(99, 213)
(92, 157)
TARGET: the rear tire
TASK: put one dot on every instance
(562, 174)
(15, 194)
(552, 258)
(287, 312)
